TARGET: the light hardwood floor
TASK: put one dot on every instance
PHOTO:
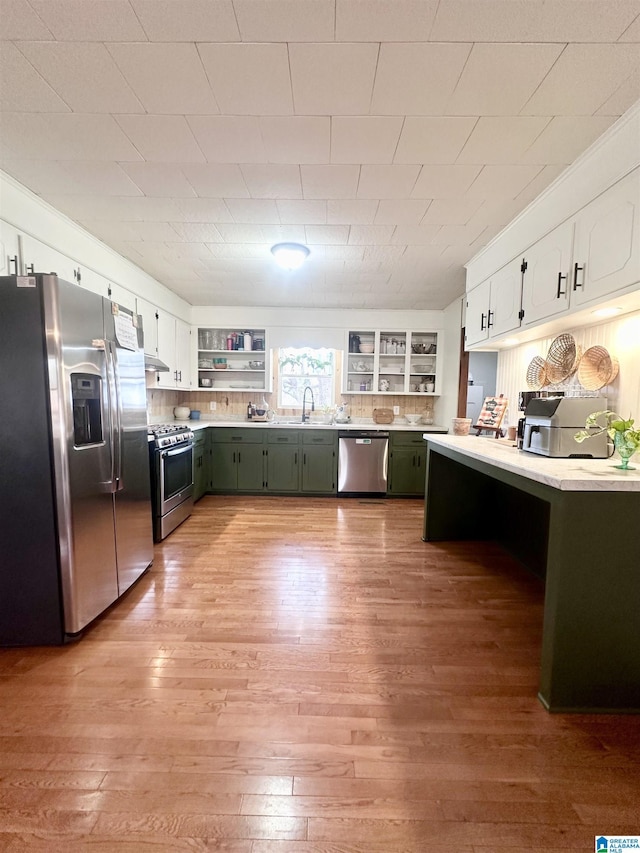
(308, 676)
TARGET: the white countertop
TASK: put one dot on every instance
(400, 425)
(577, 475)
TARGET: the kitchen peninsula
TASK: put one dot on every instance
(574, 522)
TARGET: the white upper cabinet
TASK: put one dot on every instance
(546, 282)
(38, 257)
(149, 314)
(494, 306)
(174, 348)
(607, 243)
(8, 249)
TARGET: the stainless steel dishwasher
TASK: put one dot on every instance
(363, 462)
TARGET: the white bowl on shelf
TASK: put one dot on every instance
(413, 419)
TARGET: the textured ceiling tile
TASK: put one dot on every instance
(268, 234)
(501, 139)
(285, 20)
(161, 139)
(22, 88)
(532, 20)
(583, 78)
(187, 20)
(101, 178)
(85, 76)
(564, 138)
(387, 181)
(42, 177)
(52, 136)
(296, 139)
(623, 98)
(259, 211)
(332, 79)
(329, 181)
(185, 90)
(329, 234)
(302, 212)
(631, 33)
(416, 79)
(446, 181)
(369, 235)
(384, 20)
(351, 211)
(408, 235)
(212, 180)
(541, 181)
(401, 212)
(20, 22)
(433, 139)
(501, 182)
(201, 210)
(451, 211)
(159, 179)
(225, 139)
(499, 79)
(249, 79)
(196, 232)
(364, 139)
(90, 20)
(384, 255)
(273, 181)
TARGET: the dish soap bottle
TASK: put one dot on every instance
(250, 411)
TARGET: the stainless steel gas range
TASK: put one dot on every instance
(171, 457)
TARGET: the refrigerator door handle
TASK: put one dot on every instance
(116, 419)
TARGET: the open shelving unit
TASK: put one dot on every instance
(378, 361)
(243, 370)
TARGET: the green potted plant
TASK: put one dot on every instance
(626, 439)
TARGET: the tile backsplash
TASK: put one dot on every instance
(233, 406)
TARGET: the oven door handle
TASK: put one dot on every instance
(178, 451)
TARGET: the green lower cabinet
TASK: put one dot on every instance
(283, 470)
(237, 468)
(277, 461)
(201, 467)
(319, 462)
(407, 460)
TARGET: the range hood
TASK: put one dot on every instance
(153, 364)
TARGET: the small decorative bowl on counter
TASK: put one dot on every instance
(413, 419)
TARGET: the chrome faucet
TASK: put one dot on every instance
(305, 416)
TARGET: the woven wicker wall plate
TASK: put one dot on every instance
(537, 374)
(563, 358)
(597, 368)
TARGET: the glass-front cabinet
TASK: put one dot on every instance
(233, 360)
(392, 362)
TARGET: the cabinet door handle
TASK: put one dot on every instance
(483, 317)
(576, 269)
(295, 458)
(14, 261)
(490, 315)
(561, 292)
(239, 460)
(30, 268)
(304, 458)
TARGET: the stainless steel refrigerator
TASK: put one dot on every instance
(75, 508)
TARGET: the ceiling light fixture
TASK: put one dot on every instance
(290, 256)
